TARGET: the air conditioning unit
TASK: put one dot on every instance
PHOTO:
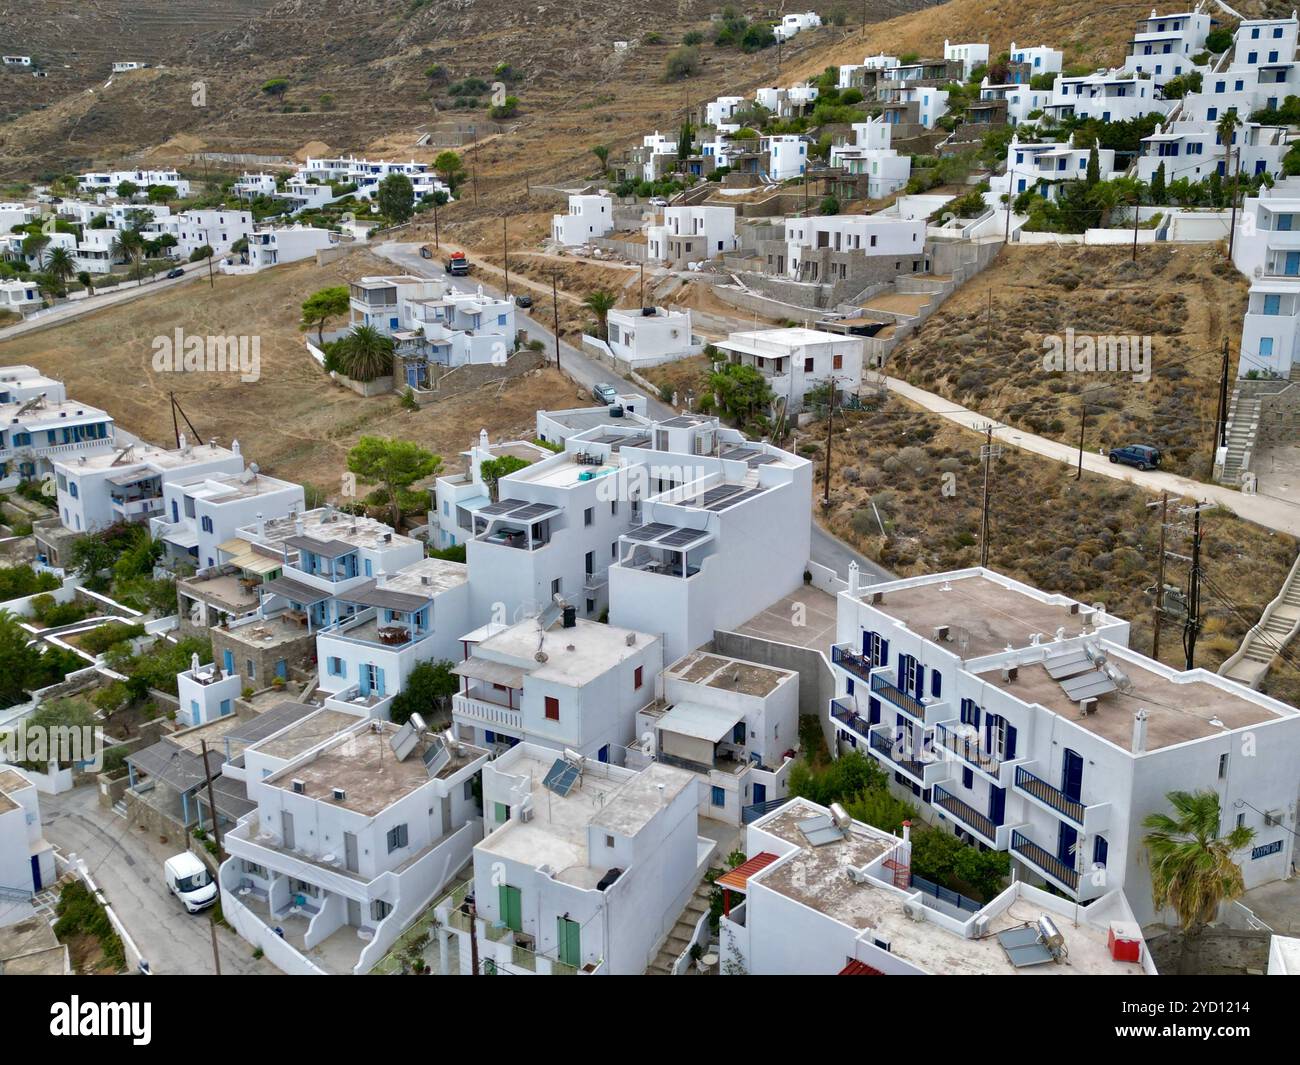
(1273, 818)
(526, 813)
(1010, 673)
(914, 910)
(299, 786)
(858, 876)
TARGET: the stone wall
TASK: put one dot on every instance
(816, 681)
(1212, 952)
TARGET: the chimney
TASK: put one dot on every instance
(234, 446)
(570, 615)
(1140, 731)
(297, 526)
(483, 439)
(260, 524)
(853, 578)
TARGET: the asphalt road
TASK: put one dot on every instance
(127, 865)
(827, 550)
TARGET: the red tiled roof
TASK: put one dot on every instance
(738, 878)
(859, 968)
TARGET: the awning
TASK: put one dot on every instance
(234, 546)
(255, 563)
(859, 968)
(738, 878)
(712, 723)
(183, 537)
(370, 594)
(298, 593)
(173, 765)
(322, 548)
(492, 672)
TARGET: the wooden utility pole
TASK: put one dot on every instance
(641, 297)
(988, 330)
(1137, 212)
(987, 450)
(216, 956)
(1236, 179)
(212, 802)
(1083, 424)
(505, 254)
(1192, 626)
(436, 244)
(1160, 578)
(555, 302)
(830, 421)
(1221, 429)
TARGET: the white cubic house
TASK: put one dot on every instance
(589, 217)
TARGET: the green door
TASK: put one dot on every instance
(511, 908)
(570, 941)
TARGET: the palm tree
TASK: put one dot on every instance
(1226, 127)
(600, 303)
(60, 264)
(1192, 869)
(601, 152)
(87, 281)
(365, 353)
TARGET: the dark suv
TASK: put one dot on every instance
(1140, 455)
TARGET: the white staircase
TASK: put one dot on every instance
(1243, 424)
(1278, 625)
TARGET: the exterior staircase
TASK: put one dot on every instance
(1278, 625)
(679, 937)
(1243, 423)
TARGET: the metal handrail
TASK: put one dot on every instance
(1053, 797)
(1045, 860)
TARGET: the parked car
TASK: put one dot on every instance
(175, 271)
(658, 201)
(605, 393)
(189, 880)
(1143, 456)
(523, 301)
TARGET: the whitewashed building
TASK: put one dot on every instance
(275, 245)
(821, 894)
(105, 183)
(691, 234)
(787, 156)
(457, 493)
(969, 55)
(869, 153)
(585, 867)
(26, 857)
(1267, 251)
(648, 336)
(733, 724)
(796, 360)
(1022, 721)
(37, 431)
(351, 839)
(790, 25)
(556, 681)
(589, 217)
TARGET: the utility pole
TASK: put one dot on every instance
(436, 243)
(176, 429)
(830, 421)
(1137, 204)
(987, 453)
(641, 297)
(1222, 428)
(1236, 179)
(1192, 626)
(216, 956)
(1160, 577)
(1011, 184)
(505, 254)
(555, 302)
(212, 802)
(1083, 422)
(988, 330)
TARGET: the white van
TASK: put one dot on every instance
(189, 880)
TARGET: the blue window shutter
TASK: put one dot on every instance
(866, 644)
(936, 683)
(850, 686)
(873, 711)
(967, 777)
(1011, 742)
(903, 660)
(379, 680)
(884, 652)
(918, 681)
(1100, 850)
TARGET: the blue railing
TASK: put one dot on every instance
(1053, 797)
(968, 748)
(943, 894)
(854, 663)
(1045, 860)
(964, 812)
(843, 711)
(885, 745)
(758, 809)
(909, 704)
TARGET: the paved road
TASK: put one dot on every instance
(1270, 511)
(827, 550)
(122, 293)
(127, 865)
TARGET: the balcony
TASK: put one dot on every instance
(364, 628)
(1090, 819)
(926, 770)
(978, 824)
(1046, 863)
(486, 711)
(852, 663)
(969, 748)
(846, 713)
(138, 508)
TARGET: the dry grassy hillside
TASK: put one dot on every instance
(985, 347)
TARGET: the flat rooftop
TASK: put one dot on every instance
(986, 613)
(728, 674)
(557, 835)
(574, 656)
(148, 455)
(363, 764)
(816, 878)
(563, 471)
(269, 632)
(228, 488)
(1177, 710)
(428, 577)
(326, 524)
(583, 418)
(66, 412)
(306, 734)
(11, 781)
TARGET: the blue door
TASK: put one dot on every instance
(1292, 267)
(1065, 844)
(760, 793)
(282, 669)
(36, 873)
(228, 661)
(1072, 775)
(997, 805)
(413, 374)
